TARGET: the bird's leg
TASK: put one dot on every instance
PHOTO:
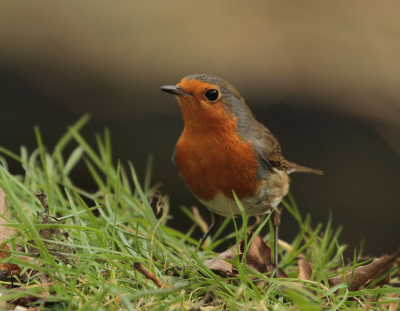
(216, 219)
(276, 220)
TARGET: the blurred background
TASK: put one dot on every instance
(322, 76)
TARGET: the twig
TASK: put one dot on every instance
(139, 304)
(361, 303)
(149, 275)
(365, 306)
(325, 289)
(130, 230)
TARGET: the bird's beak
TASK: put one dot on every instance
(174, 89)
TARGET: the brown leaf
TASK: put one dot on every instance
(220, 265)
(305, 270)
(365, 275)
(258, 257)
(385, 280)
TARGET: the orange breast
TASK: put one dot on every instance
(212, 157)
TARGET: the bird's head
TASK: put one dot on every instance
(207, 100)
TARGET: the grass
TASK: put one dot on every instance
(117, 226)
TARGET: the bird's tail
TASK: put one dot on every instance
(294, 168)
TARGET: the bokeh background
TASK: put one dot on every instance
(322, 76)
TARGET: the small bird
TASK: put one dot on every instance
(224, 149)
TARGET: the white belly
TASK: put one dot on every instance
(269, 195)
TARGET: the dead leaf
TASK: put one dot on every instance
(220, 265)
(385, 280)
(258, 257)
(365, 275)
(305, 270)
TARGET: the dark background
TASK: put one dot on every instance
(322, 76)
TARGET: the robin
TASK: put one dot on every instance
(224, 149)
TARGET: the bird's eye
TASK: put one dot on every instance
(212, 95)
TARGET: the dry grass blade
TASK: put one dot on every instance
(202, 222)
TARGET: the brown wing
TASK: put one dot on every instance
(271, 149)
(271, 152)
